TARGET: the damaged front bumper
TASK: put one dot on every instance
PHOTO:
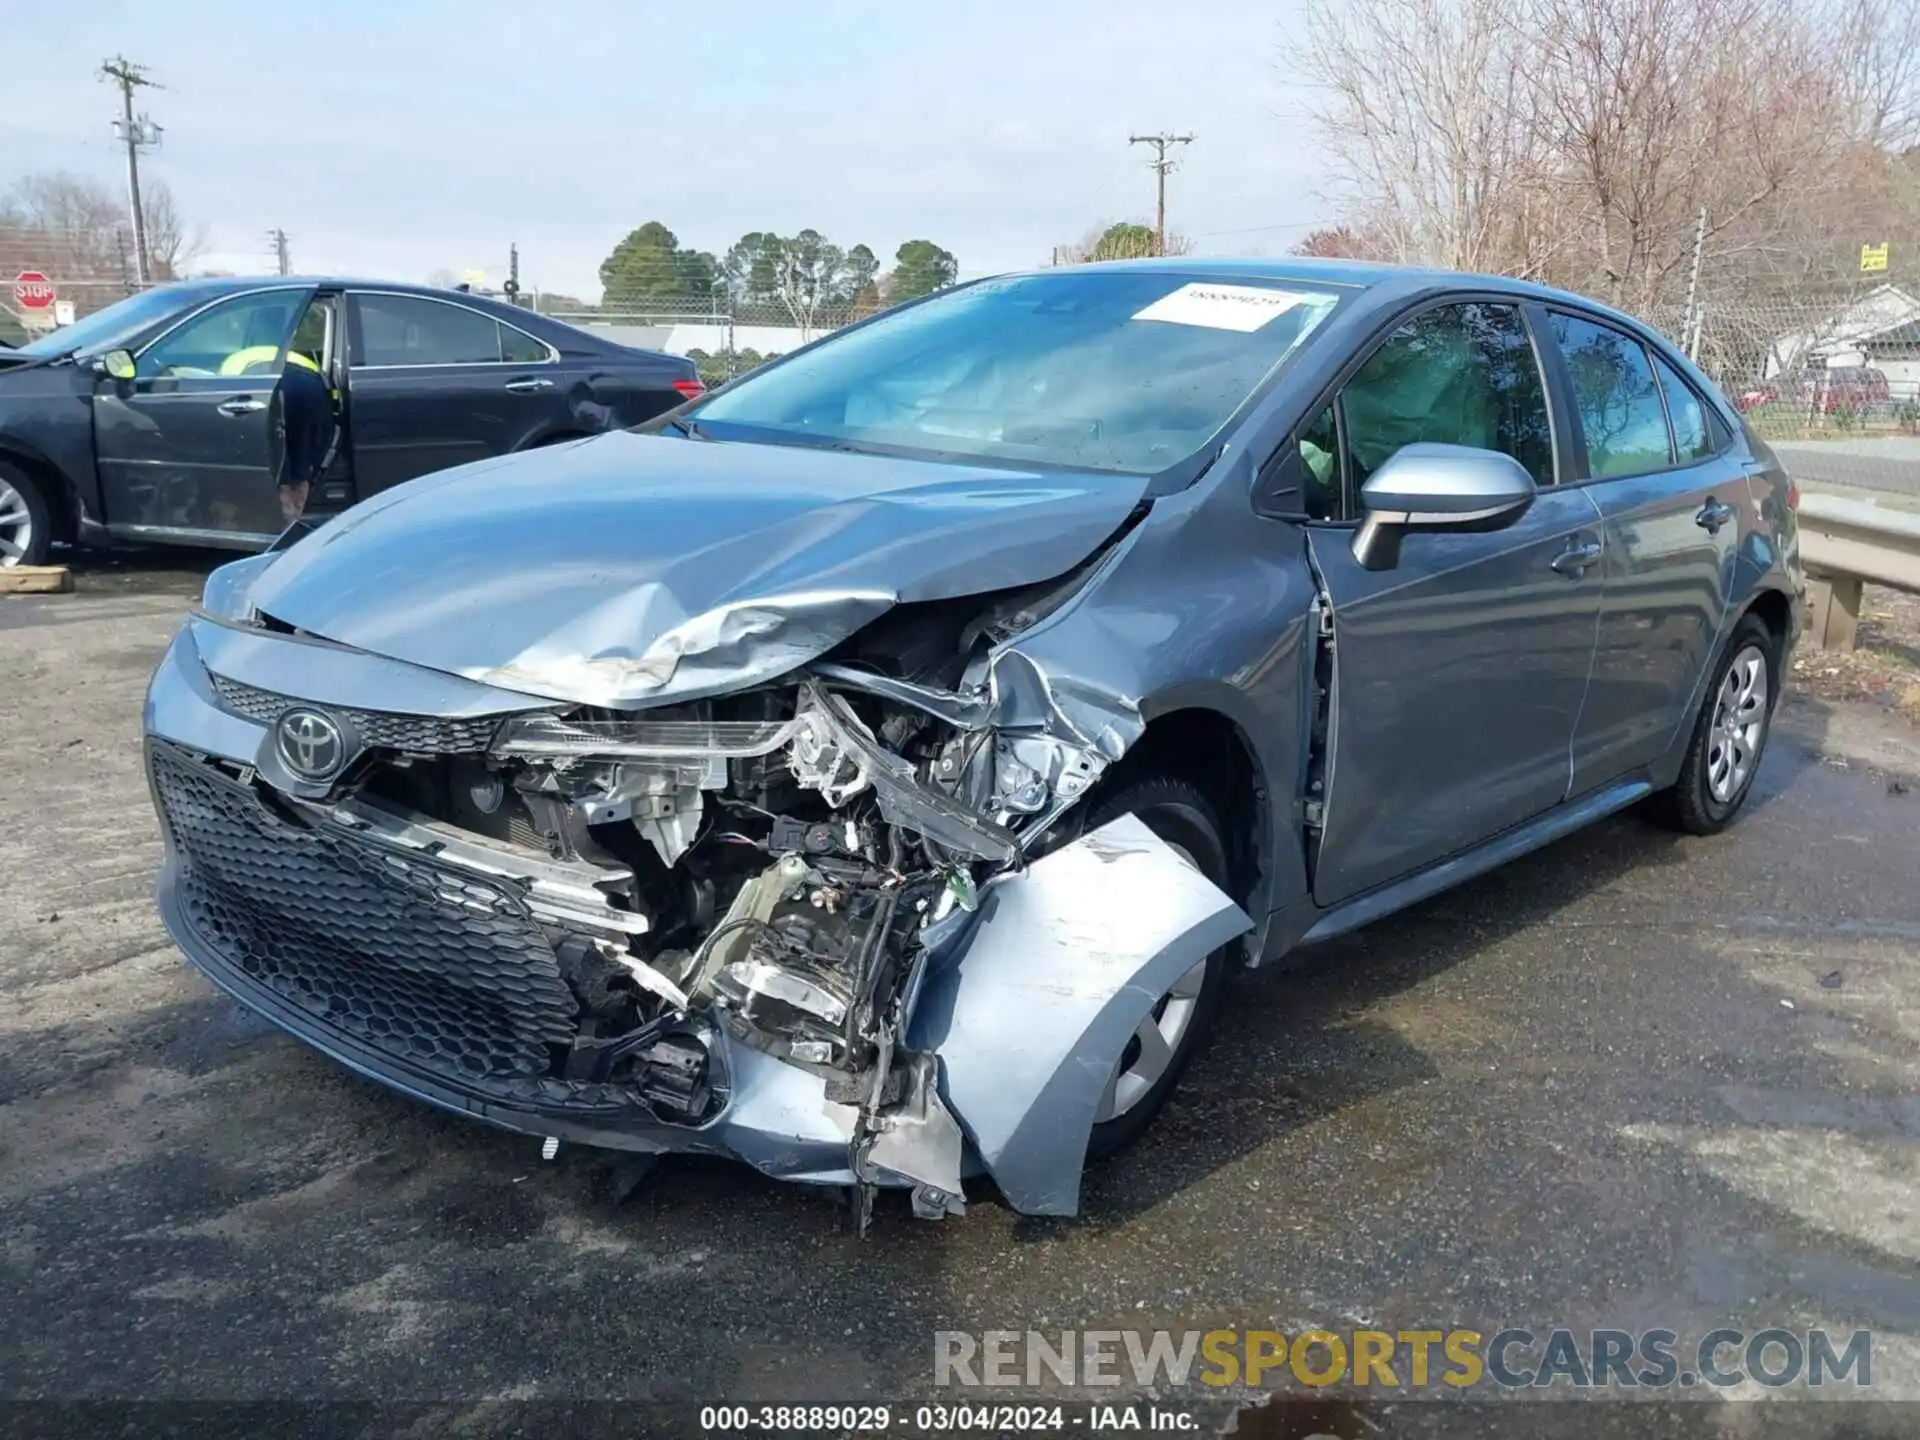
(445, 965)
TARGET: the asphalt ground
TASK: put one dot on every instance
(1635, 1080)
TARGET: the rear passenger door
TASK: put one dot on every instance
(435, 383)
(1673, 503)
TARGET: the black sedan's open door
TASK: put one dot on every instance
(189, 446)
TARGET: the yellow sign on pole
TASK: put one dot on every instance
(1873, 258)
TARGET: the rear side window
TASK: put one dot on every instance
(1692, 440)
(1621, 415)
(519, 348)
(411, 330)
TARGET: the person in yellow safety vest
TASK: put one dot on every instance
(240, 362)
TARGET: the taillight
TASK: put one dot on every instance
(689, 389)
(1793, 494)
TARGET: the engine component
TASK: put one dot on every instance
(673, 1076)
(837, 755)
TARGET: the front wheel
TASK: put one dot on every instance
(1156, 1054)
(26, 524)
(1729, 735)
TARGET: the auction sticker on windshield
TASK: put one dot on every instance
(1222, 307)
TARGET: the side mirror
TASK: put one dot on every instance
(1438, 487)
(115, 364)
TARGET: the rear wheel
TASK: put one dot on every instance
(26, 522)
(1729, 735)
(1156, 1054)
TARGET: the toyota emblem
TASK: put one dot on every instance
(310, 744)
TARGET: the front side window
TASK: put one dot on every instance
(241, 336)
(411, 330)
(1129, 372)
(1621, 414)
(1456, 375)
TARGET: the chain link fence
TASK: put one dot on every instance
(88, 269)
(1829, 375)
(724, 336)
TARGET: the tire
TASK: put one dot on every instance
(1722, 759)
(26, 519)
(1180, 815)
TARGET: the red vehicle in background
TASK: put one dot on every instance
(1846, 389)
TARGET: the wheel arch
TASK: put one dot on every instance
(1774, 608)
(62, 495)
(1188, 738)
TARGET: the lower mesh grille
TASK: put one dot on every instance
(408, 956)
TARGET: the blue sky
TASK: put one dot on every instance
(401, 138)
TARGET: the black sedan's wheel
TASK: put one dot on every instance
(1159, 1050)
(26, 527)
(1729, 735)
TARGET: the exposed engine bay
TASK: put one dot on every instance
(782, 864)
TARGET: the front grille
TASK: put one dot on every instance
(421, 734)
(403, 953)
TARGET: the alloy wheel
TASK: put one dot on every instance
(1739, 725)
(1152, 1047)
(16, 525)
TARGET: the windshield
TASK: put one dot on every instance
(100, 329)
(1126, 371)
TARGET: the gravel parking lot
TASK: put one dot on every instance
(1635, 1080)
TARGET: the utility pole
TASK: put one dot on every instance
(279, 239)
(512, 288)
(1160, 165)
(135, 133)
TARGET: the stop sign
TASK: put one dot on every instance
(33, 290)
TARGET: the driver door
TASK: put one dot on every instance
(188, 446)
(1459, 672)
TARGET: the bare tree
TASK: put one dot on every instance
(171, 244)
(1874, 46)
(1339, 242)
(68, 226)
(1424, 109)
(1583, 141)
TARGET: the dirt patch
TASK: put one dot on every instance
(1885, 668)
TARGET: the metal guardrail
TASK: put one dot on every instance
(1845, 544)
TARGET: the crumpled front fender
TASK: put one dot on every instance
(1065, 961)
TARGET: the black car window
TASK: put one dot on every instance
(310, 335)
(1457, 374)
(1619, 401)
(519, 348)
(1692, 440)
(241, 336)
(413, 330)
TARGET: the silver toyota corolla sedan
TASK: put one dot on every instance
(872, 770)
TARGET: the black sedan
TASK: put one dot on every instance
(214, 412)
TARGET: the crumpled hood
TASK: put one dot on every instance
(628, 569)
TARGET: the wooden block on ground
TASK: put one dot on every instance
(36, 580)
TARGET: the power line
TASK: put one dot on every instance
(1160, 165)
(135, 133)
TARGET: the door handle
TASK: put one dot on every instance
(242, 405)
(527, 387)
(1712, 516)
(1573, 561)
